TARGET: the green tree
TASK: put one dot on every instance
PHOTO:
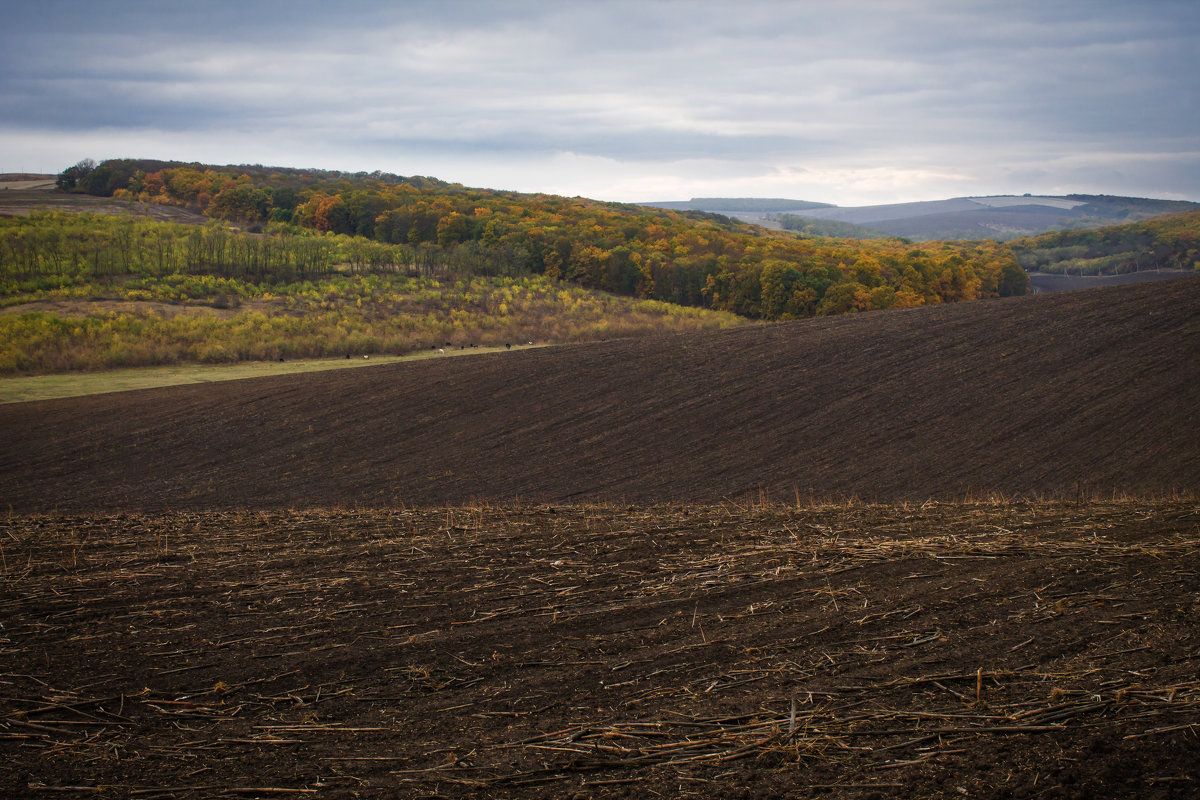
(1013, 280)
(778, 281)
(845, 297)
(70, 177)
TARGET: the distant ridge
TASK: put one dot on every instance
(982, 217)
(719, 205)
(1036, 395)
(1002, 216)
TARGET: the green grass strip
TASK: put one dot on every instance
(26, 389)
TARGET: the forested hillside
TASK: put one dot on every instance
(1167, 242)
(689, 258)
(827, 227)
(84, 291)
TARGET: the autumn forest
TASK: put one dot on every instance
(310, 263)
(689, 258)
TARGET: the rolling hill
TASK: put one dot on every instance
(312, 221)
(993, 217)
(1027, 395)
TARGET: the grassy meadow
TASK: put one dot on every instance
(25, 388)
(85, 292)
(187, 319)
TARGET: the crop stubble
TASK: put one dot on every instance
(991, 649)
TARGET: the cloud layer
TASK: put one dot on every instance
(848, 102)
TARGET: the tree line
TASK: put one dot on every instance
(379, 221)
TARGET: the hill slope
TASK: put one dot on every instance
(995, 217)
(1031, 395)
(421, 224)
(1005, 217)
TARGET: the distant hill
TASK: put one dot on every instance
(1001, 217)
(9, 178)
(811, 226)
(725, 205)
(762, 211)
(1009, 217)
(1027, 395)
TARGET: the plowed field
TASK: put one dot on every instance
(987, 651)
(400, 581)
(23, 197)
(1095, 391)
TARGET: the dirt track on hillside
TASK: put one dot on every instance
(1096, 391)
(79, 308)
(982, 651)
(21, 201)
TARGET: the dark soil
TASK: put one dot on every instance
(684, 646)
(974, 650)
(1093, 393)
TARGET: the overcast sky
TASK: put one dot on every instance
(843, 101)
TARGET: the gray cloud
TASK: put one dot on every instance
(841, 101)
